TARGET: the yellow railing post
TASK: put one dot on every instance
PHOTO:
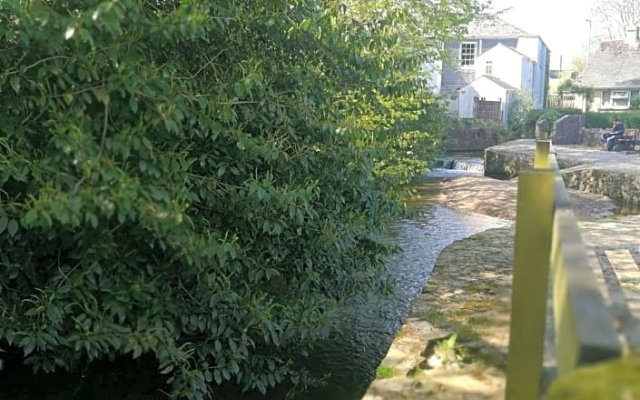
(534, 225)
(541, 159)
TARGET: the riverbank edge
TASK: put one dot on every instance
(453, 344)
(612, 174)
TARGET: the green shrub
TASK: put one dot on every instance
(499, 133)
(201, 183)
(598, 120)
(550, 114)
(604, 120)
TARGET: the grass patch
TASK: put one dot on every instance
(434, 318)
(385, 371)
(415, 372)
(447, 350)
(464, 331)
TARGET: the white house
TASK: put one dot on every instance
(508, 65)
(496, 49)
(487, 89)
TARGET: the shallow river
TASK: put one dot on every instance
(353, 357)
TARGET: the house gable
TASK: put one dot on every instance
(498, 48)
(485, 88)
(505, 63)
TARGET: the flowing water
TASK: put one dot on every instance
(469, 165)
(353, 357)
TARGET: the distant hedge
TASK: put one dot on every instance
(603, 120)
(551, 114)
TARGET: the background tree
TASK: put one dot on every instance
(203, 184)
(616, 16)
(578, 64)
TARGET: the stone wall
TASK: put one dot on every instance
(567, 130)
(472, 139)
(620, 183)
(505, 165)
(591, 137)
(617, 185)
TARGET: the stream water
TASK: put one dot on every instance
(353, 357)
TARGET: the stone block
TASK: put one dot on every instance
(542, 128)
(567, 130)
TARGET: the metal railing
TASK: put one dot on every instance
(549, 248)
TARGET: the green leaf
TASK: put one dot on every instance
(133, 104)
(102, 95)
(15, 84)
(261, 386)
(217, 376)
(68, 98)
(29, 347)
(12, 227)
(166, 370)
(137, 351)
(3, 223)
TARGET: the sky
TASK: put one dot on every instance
(560, 23)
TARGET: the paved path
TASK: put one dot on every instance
(615, 252)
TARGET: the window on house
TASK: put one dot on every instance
(606, 98)
(620, 98)
(467, 53)
(488, 68)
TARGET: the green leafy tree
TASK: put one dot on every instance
(519, 106)
(204, 183)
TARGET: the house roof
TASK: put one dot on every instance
(488, 26)
(614, 66)
(506, 47)
(495, 80)
(499, 82)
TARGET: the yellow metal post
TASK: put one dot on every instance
(567, 342)
(541, 159)
(534, 225)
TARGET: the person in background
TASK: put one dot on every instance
(617, 129)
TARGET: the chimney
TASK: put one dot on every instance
(633, 37)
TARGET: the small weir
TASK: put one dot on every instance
(461, 164)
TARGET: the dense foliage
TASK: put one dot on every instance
(550, 114)
(497, 131)
(527, 127)
(204, 182)
(604, 120)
